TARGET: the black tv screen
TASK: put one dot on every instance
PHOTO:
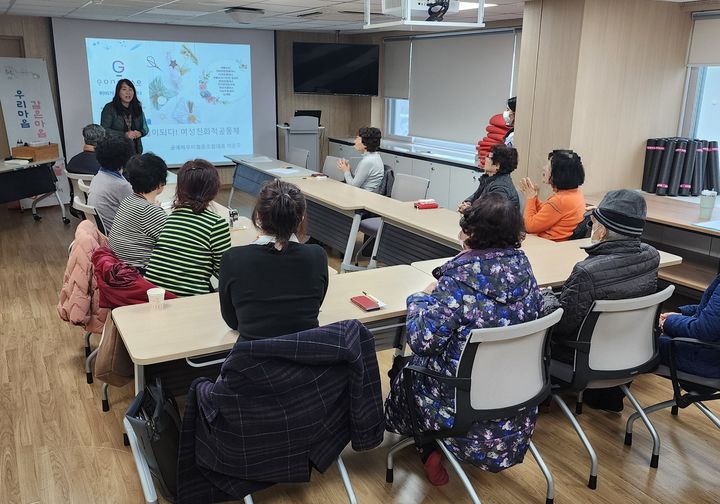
(344, 69)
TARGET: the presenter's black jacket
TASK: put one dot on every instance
(501, 183)
(265, 292)
(114, 124)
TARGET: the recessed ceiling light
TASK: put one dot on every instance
(473, 5)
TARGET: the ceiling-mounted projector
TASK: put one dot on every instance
(395, 7)
(244, 15)
(406, 14)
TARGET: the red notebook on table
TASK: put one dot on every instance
(365, 303)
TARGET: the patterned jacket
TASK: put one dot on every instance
(488, 288)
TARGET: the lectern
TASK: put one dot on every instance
(304, 133)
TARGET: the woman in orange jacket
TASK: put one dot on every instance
(557, 217)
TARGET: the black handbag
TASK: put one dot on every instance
(155, 420)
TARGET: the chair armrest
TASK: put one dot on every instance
(694, 341)
(461, 383)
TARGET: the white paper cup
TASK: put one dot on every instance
(707, 204)
(156, 297)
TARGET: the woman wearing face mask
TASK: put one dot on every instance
(499, 164)
(124, 116)
(558, 216)
(489, 284)
(509, 117)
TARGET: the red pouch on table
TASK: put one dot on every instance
(424, 204)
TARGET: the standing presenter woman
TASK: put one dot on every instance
(123, 116)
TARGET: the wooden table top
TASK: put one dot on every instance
(193, 326)
(339, 195)
(11, 167)
(274, 167)
(671, 211)
(551, 263)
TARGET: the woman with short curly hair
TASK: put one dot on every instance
(370, 171)
(489, 284)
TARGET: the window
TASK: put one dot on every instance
(398, 126)
(398, 117)
(707, 110)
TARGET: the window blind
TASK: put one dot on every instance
(457, 83)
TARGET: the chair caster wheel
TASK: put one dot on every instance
(66, 220)
(37, 217)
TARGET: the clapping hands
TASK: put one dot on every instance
(528, 188)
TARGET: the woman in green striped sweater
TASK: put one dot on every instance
(194, 238)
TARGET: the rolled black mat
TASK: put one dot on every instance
(677, 167)
(712, 166)
(663, 179)
(688, 166)
(699, 172)
(647, 170)
(655, 163)
(703, 164)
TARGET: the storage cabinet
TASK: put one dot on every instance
(462, 184)
(399, 164)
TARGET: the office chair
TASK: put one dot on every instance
(298, 157)
(688, 388)
(616, 343)
(484, 390)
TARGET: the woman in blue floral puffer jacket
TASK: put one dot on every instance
(489, 284)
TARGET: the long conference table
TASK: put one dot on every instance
(192, 327)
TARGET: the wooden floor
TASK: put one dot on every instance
(57, 446)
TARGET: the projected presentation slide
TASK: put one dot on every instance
(197, 97)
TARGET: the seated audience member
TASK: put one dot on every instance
(139, 219)
(86, 162)
(509, 117)
(701, 322)
(108, 188)
(275, 285)
(194, 238)
(499, 164)
(489, 284)
(370, 170)
(618, 266)
(559, 215)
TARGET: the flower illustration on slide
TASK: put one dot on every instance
(159, 93)
(204, 92)
(183, 113)
(187, 52)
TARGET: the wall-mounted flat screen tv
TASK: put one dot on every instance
(336, 69)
